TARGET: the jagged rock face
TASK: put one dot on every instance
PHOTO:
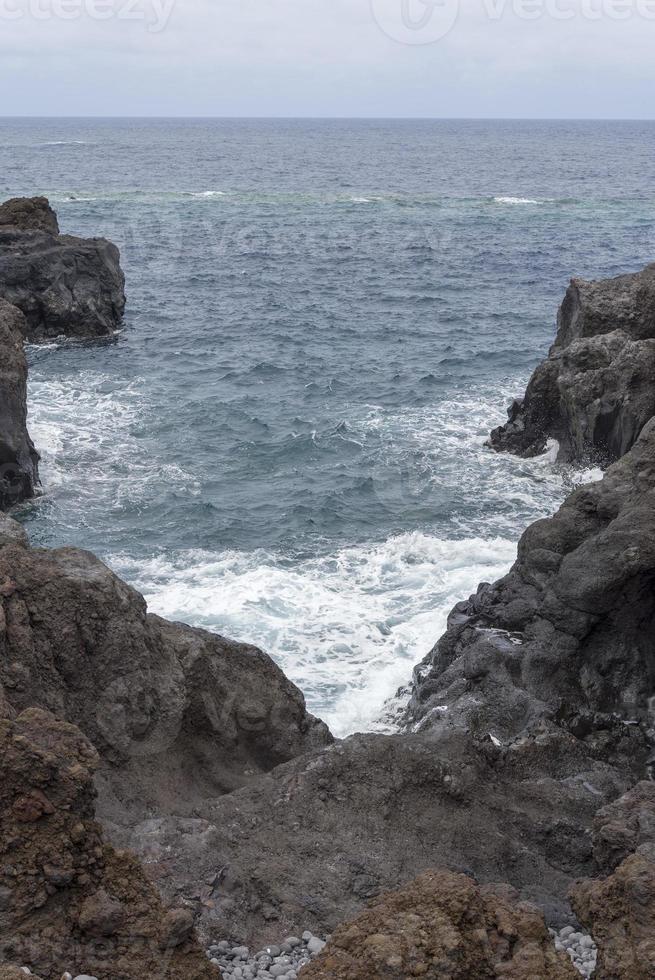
(624, 827)
(306, 845)
(18, 457)
(595, 391)
(569, 634)
(68, 900)
(176, 714)
(442, 927)
(620, 913)
(65, 286)
(29, 214)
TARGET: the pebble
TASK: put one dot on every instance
(580, 947)
(280, 961)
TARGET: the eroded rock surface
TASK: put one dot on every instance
(67, 899)
(64, 285)
(619, 911)
(18, 458)
(178, 715)
(442, 927)
(308, 844)
(568, 635)
(595, 392)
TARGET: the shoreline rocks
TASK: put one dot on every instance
(594, 393)
(442, 927)
(68, 900)
(178, 715)
(65, 286)
(19, 474)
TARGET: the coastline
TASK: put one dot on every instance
(520, 735)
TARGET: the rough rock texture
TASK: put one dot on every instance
(595, 391)
(68, 900)
(18, 457)
(619, 911)
(176, 714)
(306, 845)
(29, 214)
(442, 927)
(620, 914)
(64, 285)
(624, 827)
(533, 711)
(569, 634)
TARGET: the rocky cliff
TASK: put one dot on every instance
(530, 718)
(65, 286)
(18, 458)
(594, 393)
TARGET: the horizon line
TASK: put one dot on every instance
(337, 118)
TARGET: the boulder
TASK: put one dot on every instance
(69, 901)
(442, 927)
(594, 393)
(19, 476)
(65, 286)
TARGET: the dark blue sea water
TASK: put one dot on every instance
(286, 442)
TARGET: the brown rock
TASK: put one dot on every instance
(94, 911)
(620, 914)
(101, 915)
(442, 927)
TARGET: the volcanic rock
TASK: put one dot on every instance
(568, 635)
(29, 214)
(18, 458)
(594, 393)
(442, 927)
(620, 914)
(70, 901)
(65, 286)
(177, 714)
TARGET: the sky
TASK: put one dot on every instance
(353, 58)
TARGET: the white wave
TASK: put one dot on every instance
(65, 143)
(348, 628)
(517, 200)
(207, 193)
(84, 428)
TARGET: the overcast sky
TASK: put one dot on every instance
(479, 58)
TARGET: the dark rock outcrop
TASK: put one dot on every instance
(29, 214)
(67, 899)
(306, 845)
(178, 715)
(443, 927)
(569, 634)
(65, 286)
(595, 392)
(18, 457)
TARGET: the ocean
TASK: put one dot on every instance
(325, 318)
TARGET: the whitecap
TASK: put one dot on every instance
(347, 627)
(517, 200)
